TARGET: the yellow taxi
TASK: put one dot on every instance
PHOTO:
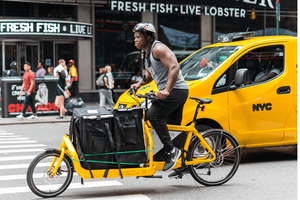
(258, 111)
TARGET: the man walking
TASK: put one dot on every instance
(104, 91)
(73, 78)
(29, 86)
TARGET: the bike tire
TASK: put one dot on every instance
(39, 181)
(228, 155)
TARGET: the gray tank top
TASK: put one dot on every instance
(160, 73)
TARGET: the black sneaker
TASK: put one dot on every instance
(172, 159)
(178, 173)
(59, 117)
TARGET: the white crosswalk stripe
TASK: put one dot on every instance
(18, 142)
(14, 190)
(123, 197)
(13, 149)
(21, 146)
(12, 158)
(20, 150)
(13, 139)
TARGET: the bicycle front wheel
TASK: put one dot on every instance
(228, 156)
(39, 177)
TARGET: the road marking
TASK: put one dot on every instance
(20, 150)
(10, 136)
(6, 133)
(13, 139)
(17, 158)
(18, 142)
(22, 146)
(123, 197)
(19, 166)
(23, 176)
(14, 190)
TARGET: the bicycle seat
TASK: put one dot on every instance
(203, 101)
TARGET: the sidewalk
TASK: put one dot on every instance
(40, 119)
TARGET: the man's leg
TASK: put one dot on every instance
(157, 116)
(102, 97)
(26, 103)
(32, 106)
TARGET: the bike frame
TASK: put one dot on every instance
(148, 169)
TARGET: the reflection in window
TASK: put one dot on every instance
(202, 63)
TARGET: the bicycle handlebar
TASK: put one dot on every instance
(150, 95)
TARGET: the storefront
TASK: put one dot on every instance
(99, 33)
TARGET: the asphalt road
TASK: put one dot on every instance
(263, 174)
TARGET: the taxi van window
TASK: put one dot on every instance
(263, 63)
(205, 61)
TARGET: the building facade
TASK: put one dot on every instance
(97, 33)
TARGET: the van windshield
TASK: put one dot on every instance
(205, 61)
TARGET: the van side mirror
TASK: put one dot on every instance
(241, 77)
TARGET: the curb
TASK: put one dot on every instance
(34, 122)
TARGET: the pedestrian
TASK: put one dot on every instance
(41, 71)
(111, 81)
(50, 71)
(137, 77)
(60, 85)
(73, 84)
(161, 65)
(13, 69)
(29, 86)
(104, 92)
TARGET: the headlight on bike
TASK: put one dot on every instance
(142, 104)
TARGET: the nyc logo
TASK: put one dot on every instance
(266, 106)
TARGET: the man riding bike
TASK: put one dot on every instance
(161, 64)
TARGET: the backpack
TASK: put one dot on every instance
(100, 81)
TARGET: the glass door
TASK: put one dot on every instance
(19, 51)
(64, 51)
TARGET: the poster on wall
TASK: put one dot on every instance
(13, 103)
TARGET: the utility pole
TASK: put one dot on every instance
(277, 15)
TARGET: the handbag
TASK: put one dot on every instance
(65, 92)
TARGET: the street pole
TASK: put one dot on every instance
(277, 15)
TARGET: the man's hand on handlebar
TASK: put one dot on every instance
(162, 94)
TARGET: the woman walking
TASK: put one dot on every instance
(60, 86)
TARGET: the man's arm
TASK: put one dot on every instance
(169, 60)
(32, 84)
(22, 88)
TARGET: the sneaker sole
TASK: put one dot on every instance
(176, 158)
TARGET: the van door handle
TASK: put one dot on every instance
(284, 90)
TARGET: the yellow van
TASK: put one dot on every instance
(258, 112)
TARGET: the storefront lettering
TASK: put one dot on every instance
(45, 27)
(181, 9)
(16, 27)
(48, 27)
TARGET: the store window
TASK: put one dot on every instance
(115, 44)
(41, 11)
(179, 32)
(253, 21)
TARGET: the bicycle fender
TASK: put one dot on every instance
(52, 150)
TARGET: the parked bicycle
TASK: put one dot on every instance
(212, 157)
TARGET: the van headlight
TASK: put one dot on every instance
(122, 106)
(142, 104)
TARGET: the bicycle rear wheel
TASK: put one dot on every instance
(38, 175)
(228, 156)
